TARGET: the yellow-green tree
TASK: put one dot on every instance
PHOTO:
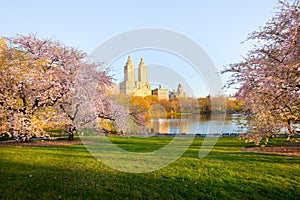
(139, 107)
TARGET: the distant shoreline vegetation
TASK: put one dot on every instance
(152, 107)
(182, 106)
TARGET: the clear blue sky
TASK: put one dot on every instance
(218, 26)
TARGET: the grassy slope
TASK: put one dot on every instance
(70, 172)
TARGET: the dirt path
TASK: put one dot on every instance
(282, 150)
(44, 143)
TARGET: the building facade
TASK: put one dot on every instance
(161, 93)
(132, 87)
(179, 94)
(141, 87)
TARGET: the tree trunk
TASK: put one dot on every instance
(72, 131)
(290, 131)
(26, 138)
(71, 136)
(27, 129)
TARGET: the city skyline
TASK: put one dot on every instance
(135, 82)
(218, 27)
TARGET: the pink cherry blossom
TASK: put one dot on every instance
(268, 78)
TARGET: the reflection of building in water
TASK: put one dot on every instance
(174, 126)
(184, 126)
(160, 126)
(179, 126)
(132, 87)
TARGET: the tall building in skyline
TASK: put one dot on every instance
(141, 87)
(142, 72)
(129, 84)
(132, 87)
(180, 92)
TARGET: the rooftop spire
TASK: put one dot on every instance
(129, 61)
(142, 61)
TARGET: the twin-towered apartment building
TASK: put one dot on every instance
(141, 86)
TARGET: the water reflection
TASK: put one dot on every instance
(198, 124)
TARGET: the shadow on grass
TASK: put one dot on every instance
(89, 179)
(253, 157)
(70, 172)
(230, 149)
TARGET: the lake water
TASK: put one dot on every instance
(199, 124)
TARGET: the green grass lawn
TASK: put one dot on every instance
(71, 172)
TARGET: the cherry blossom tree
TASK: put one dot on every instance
(28, 83)
(269, 76)
(36, 74)
(46, 80)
